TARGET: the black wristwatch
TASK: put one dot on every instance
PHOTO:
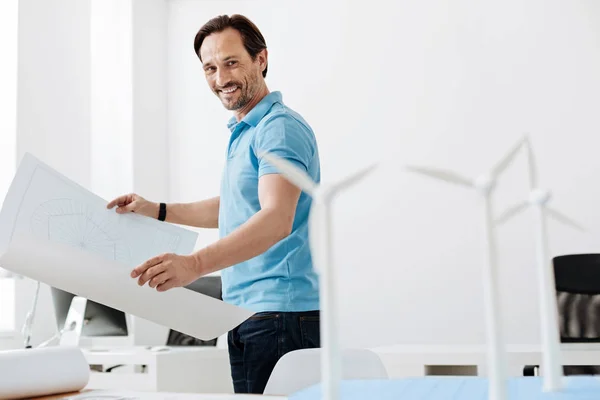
(162, 212)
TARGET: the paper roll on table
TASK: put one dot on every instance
(28, 373)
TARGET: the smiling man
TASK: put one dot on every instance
(263, 251)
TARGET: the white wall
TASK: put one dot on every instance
(111, 96)
(453, 84)
(128, 104)
(128, 93)
(53, 116)
(149, 117)
(151, 152)
(93, 108)
(8, 100)
(8, 133)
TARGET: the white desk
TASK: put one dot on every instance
(420, 360)
(185, 369)
(205, 396)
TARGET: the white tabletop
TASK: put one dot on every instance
(147, 354)
(130, 395)
(458, 348)
(571, 354)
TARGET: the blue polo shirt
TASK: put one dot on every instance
(282, 278)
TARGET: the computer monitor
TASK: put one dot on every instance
(99, 320)
(104, 325)
(209, 286)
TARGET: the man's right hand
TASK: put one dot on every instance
(135, 203)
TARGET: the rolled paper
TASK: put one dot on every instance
(27, 373)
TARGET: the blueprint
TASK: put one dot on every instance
(54, 231)
(44, 203)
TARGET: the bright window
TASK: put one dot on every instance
(8, 134)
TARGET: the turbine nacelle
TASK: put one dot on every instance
(485, 183)
(324, 193)
(540, 196)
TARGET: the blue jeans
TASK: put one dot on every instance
(258, 343)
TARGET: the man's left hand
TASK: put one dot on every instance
(167, 271)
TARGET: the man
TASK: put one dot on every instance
(263, 251)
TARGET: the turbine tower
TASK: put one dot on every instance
(549, 327)
(485, 184)
(320, 239)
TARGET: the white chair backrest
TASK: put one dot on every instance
(300, 369)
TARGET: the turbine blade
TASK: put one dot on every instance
(511, 212)
(353, 178)
(444, 175)
(292, 173)
(508, 158)
(557, 215)
(533, 179)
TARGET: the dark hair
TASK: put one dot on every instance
(253, 40)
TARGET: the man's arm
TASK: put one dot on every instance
(200, 214)
(278, 199)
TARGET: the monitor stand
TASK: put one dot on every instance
(71, 333)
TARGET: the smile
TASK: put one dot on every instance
(229, 90)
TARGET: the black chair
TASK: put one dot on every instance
(577, 279)
(210, 286)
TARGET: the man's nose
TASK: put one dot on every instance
(222, 77)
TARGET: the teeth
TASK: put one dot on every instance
(230, 90)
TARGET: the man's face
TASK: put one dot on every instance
(230, 71)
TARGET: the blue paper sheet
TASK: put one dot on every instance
(456, 388)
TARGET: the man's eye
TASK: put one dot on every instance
(230, 63)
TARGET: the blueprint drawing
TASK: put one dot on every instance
(49, 206)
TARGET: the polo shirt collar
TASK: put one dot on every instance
(259, 110)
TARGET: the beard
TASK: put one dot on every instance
(246, 90)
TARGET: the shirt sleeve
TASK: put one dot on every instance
(285, 137)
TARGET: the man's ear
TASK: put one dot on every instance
(262, 58)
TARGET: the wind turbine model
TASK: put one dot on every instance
(550, 335)
(319, 226)
(485, 184)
